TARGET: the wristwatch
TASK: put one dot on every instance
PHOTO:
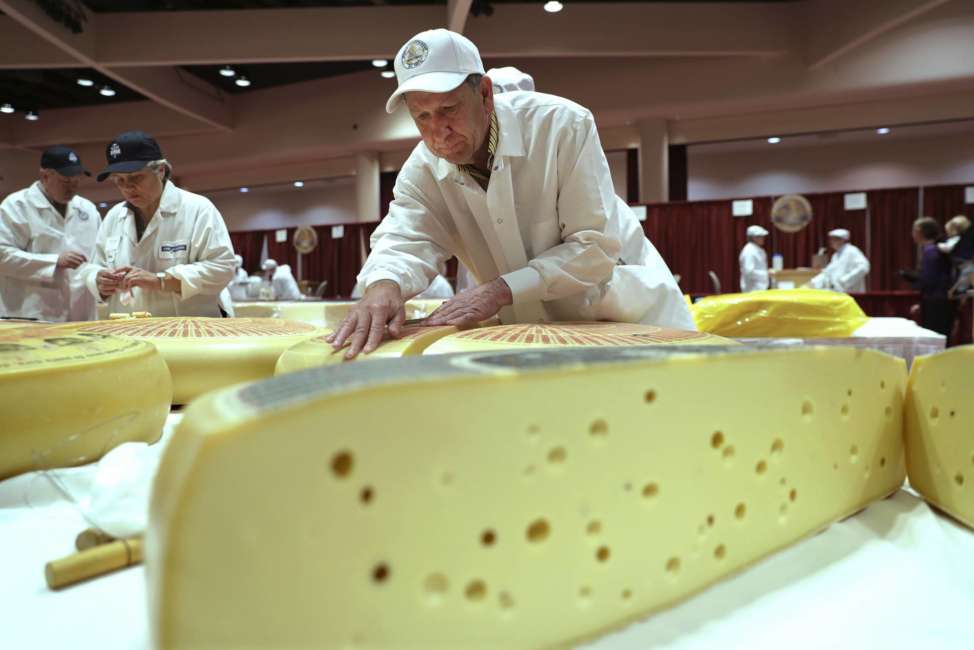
(162, 281)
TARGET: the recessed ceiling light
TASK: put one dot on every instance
(102, 205)
(242, 81)
(553, 6)
(388, 74)
(6, 108)
(32, 116)
(87, 83)
(107, 91)
(380, 63)
(227, 71)
(774, 140)
(298, 183)
(244, 189)
(882, 131)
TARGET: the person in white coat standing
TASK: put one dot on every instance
(47, 232)
(281, 280)
(754, 261)
(518, 188)
(162, 250)
(848, 268)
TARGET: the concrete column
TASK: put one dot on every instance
(654, 182)
(367, 186)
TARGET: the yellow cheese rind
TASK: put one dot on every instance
(551, 495)
(569, 335)
(940, 432)
(317, 352)
(205, 354)
(67, 399)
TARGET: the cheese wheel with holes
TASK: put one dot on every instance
(68, 398)
(548, 497)
(940, 433)
(204, 354)
(570, 335)
(317, 352)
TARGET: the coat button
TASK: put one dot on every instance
(500, 221)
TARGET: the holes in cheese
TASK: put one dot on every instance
(205, 354)
(625, 524)
(939, 434)
(68, 398)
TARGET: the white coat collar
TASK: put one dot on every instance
(510, 141)
(37, 198)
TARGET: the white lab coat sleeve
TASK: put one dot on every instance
(213, 269)
(411, 246)
(15, 261)
(588, 253)
(855, 269)
(96, 263)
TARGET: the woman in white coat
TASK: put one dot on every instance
(162, 250)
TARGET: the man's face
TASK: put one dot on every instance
(454, 125)
(836, 243)
(142, 188)
(759, 240)
(58, 188)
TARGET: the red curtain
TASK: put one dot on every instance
(891, 216)
(248, 245)
(943, 202)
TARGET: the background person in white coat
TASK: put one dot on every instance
(518, 189)
(47, 232)
(848, 268)
(162, 250)
(754, 261)
(281, 280)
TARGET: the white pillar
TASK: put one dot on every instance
(654, 179)
(367, 186)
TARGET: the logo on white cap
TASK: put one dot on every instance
(115, 151)
(415, 54)
(72, 158)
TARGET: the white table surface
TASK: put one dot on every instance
(896, 576)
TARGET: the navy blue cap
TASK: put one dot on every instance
(129, 152)
(63, 160)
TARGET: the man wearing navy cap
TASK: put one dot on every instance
(47, 233)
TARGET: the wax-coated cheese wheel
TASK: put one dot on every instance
(318, 352)
(68, 398)
(546, 497)
(557, 335)
(204, 354)
(940, 431)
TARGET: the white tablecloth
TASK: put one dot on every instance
(896, 576)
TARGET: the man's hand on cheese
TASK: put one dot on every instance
(473, 306)
(365, 325)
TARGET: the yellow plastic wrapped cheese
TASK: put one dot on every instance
(569, 335)
(799, 313)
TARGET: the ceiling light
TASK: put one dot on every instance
(32, 116)
(107, 91)
(380, 63)
(6, 108)
(388, 74)
(102, 205)
(553, 6)
(298, 183)
(774, 140)
(227, 71)
(244, 189)
(87, 83)
(882, 131)
(242, 81)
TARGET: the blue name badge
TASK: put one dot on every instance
(172, 250)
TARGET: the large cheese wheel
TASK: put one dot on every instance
(68, 398)
(940, 431)
(801, 313)
(335, 312)
(543, 498)
(552, 335)
(317, 351)
(305, 311)
(204, 354)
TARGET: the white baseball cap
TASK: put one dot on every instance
(268, 265)
(840, 233)
(756, 231)
(510, 78)
(434, 61)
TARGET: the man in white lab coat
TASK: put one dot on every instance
(754, 261)
(162, 250)
(281, 280)
(47, 232)
(848, 268)
(518, 188)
